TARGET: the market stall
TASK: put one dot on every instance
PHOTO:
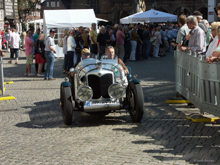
(62, 19)
(150, 16)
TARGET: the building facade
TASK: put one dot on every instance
(8, 13)
(53, 5)
(113, 10)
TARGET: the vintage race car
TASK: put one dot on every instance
(100, 86)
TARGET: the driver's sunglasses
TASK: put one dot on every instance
(86, 54)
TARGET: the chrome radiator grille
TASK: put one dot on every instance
(100, 85)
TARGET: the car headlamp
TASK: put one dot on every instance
(85, 93)
(116, 91)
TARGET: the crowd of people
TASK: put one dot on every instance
(130, 42)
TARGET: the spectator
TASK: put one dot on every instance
(216, 54)
(139, 55)
(71, 46)
(134, 38)
(182, 33)
(197, 39)
(49, 54)
(108, 35)
(15, 43)
(110, 52)
(65, 36)
(93, 35)
(201, 24)
(213, 45)
(218, 10)
(120, 42)
(164, 39)
(1, 37)
(40, 54)
(114, 31)
(79, 44)
(158, 42)
(146, 42)
(170, 37)
(85, 37)
(7, 37)
(23, 36)
(209, 36)
(127, 44)
(101, 41)
(29, 44)
(175, 31)
(36, 35)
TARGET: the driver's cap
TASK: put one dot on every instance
(85, 52)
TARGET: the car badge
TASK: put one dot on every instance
(99, 74)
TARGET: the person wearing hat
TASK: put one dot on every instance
(201, 24)
(85, 53)
(49, 54)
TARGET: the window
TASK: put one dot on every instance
(52, 4)
(48, 4)
(93, 4)
(58, 4)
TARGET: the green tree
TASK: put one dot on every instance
(25, 7)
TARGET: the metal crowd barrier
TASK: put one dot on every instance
(1, 76)
(198, 81)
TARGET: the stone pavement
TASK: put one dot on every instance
(32, 130)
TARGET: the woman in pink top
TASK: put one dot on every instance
(29, 43)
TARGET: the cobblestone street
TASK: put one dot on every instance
(32, 130)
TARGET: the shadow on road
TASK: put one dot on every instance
(47, 114)
(176, 138)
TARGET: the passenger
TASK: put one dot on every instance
(197, 39)
(85, 53)
(110, 52)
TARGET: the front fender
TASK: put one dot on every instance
(65, 84)
(130, 77)
(135, 81)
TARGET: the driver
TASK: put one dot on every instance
(110, 52)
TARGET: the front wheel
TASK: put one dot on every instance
(135, 99)
(66, 105)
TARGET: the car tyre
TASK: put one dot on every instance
(135, 100)
(66, 105)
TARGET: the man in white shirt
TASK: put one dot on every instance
(15, 44)
(49, 54)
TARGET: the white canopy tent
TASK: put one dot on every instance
(152, 16)
(38, 21)
(127, 20)
(62, 19)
